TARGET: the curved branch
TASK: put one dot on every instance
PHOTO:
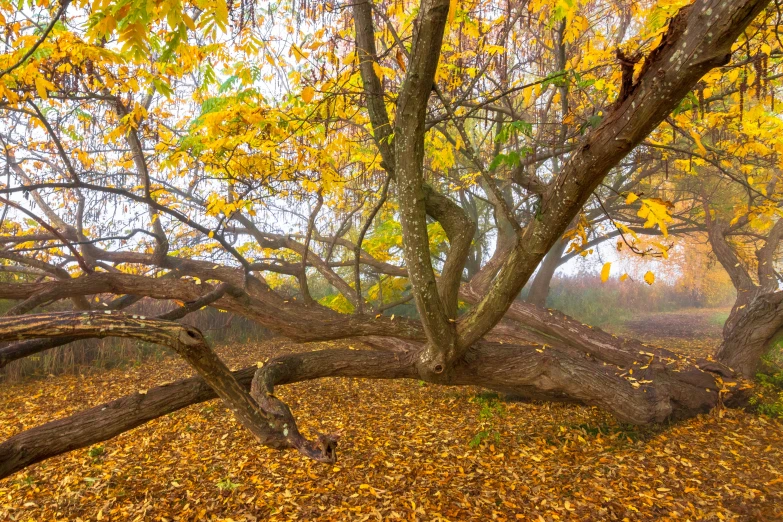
(110, 419)
(698, 39)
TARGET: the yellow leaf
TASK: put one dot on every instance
(41, 86)
(631, 198)
(605, 272)
(526, 95)
(649, 278)
(188, 21)
(378, 70)
(699, 145)
(656, 212)
(452, 11)
(623, 277)
(307, 94)
(625, 230)
(664, 250)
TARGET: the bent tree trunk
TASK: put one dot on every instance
(750, 332)
(548, 357)
(756, 319)
(270, 423)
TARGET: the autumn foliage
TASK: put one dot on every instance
(316, 167)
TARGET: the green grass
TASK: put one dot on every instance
(719, 318)
(768, 398)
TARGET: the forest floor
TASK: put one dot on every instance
(408, 451)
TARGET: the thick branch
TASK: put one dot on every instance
(409, 129)
(109, 420)
(699, 38)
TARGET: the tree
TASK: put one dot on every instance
(128, 199)
(726, 169)
(756, 319)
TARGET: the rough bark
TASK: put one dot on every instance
(756, 319)
(274, 427)
(110, 419)
(409, 129)
(661, 386)
(751, 332)
(256, 301)
(699, 38)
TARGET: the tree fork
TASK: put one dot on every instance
(274, 428)
(110, 419)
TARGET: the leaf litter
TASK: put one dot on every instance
(409, 451)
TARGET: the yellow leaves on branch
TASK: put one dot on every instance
(654, 210)
(43, 86)
(307, 94)
(699, 145)
(579, 236)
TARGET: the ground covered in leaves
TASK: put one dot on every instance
(409, 451)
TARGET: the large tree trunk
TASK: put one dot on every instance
(550, 357)
(750, 332)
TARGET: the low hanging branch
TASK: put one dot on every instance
(112, 418)
(26, 348)
(275, 428)
(559, 359)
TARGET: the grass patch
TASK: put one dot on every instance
(768, 399)
(719, 318)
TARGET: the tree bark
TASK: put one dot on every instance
(113, 418)
(550, 357)
(750, 332)
(698, 39)
(756, 319)
(274, 426)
